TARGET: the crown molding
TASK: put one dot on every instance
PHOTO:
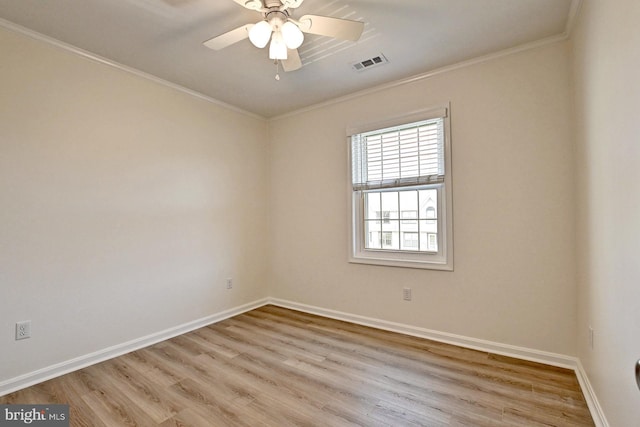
(574, 10)
(10, 26)
(429, 74)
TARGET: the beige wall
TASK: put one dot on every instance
(125, 205)
(607, 103)
(514, 278)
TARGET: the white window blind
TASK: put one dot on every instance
(397, 156)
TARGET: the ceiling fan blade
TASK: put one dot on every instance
(228, 38)
(333, 27)
(291, 4)
(251, 4)
(293, 61)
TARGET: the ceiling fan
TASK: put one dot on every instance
(285, 33)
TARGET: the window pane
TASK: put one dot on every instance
(428, 204)
(405, 220)
(428, 241)
(372, 235)
(433, 242)
(372, 206)
(409, 217)
(410, 241)
(390, 240)
(409, 220)
(391, 234)
(408, 205)
(428, 226)
(390, 205)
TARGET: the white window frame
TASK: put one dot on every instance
(443, 258)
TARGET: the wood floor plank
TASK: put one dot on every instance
(277, 367)
(140, 390)
(186, 418)
(111, 407)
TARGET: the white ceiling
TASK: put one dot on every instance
(164, 38)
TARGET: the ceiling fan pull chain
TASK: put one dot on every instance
(277, 69)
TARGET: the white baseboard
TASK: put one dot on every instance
(67, 366)
(552, 359)
(590, 396)
(444, 337)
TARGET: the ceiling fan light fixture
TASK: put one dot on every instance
(292, 35)
(277, 48)
(260, 33)
(285, 33)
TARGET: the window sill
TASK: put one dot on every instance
(403, 263)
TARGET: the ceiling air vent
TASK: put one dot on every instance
(370, 63)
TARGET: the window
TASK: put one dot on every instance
(387, 239)
(401, 192)
(430, 213)
(409, 202)
(410, 239)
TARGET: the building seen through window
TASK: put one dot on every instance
(402, 220)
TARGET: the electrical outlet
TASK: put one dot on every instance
(23, 330)
(406, 294)
(229, 283)
(591, 337)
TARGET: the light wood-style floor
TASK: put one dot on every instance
(277, 367)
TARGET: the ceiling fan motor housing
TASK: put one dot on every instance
(276, 18)
(272, 3)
